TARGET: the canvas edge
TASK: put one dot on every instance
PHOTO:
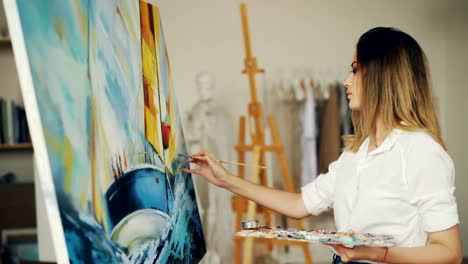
(200, 208)
(153, 2)
(36, 130)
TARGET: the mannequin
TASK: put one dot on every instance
(208, 129)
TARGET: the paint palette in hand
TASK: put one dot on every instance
(322, 236)
(367, 239)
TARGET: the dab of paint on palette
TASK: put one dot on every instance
(322, 236)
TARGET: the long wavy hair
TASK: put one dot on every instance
(396, 87)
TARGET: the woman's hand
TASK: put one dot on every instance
(210, 168)
(289, 204)
(360, 253)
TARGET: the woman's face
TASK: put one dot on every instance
(353, 84)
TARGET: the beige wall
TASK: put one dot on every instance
(17, 161)
(457, 114)
(9, 85)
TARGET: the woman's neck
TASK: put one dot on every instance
(380, 133)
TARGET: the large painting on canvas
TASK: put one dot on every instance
(97, 87)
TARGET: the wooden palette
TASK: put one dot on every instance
(321, 236)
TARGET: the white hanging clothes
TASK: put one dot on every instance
(308, 139)
(284, 106)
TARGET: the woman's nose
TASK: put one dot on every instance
(347, 82)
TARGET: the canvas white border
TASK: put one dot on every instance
(17, 232)
(36, 130)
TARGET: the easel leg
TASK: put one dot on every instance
(281, 155)
(286, 176)
(238, 244)
(240, 172)
(252, 207)
(265, 212)
(240, 151)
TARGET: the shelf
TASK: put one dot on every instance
(5, 41)
(21, 146)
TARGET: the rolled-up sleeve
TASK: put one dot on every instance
(318, 195)
(431, 176)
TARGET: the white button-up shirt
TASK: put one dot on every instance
(403, 188)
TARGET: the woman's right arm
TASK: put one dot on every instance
(286, 203)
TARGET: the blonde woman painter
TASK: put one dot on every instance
(394, 177)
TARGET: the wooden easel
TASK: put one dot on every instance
(258, 148)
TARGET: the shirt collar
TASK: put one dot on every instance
(386, 145)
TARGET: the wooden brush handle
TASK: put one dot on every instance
(242, 164)
(229, 162)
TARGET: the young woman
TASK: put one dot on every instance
(394, 177)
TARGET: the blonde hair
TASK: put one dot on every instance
(396, 87)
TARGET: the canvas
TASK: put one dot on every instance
(97, 87)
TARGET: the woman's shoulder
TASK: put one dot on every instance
(421, 145)
(416, 137)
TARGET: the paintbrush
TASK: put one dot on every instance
(228, 162)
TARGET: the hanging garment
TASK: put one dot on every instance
(286, 109)
(308, 139)
(329, 142)
(346, 127)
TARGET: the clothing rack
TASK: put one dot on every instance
(309, 125)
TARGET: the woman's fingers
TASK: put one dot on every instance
(210, 155)
(199, 159)
(203, 154)
(199, 154)
(195, 161)
(205, 159)
(346, 254)
(192, 171)
(338, 247)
